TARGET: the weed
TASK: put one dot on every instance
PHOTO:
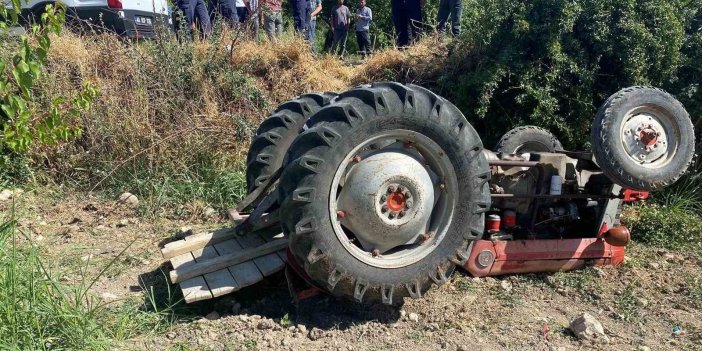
(672, 228)
(627, 304)
(416, 335)
(250, 344)
(694, 290)
(285, 321)
(463, 283)
(583, 281)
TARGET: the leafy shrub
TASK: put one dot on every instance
(673, 228)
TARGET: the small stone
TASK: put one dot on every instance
(285, 343)
(42, 223)
(5, 195)
(654, 265)
(86, 258)
(403, 313)
(475, 280)
(265, 324)
(171, 335)
(209, 211)
(302, 328)
(669, 257)
(236, 308)
(38, 238)
(214, 315)
(643, 348)
(506, 285)
(108, 296)
(586, 327)
(186, 230)
(462, 348)
(315, 334)
(641, 302)
(128, 199)
(122, 223)
(244, 318)
(413, 317)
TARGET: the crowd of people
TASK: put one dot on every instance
(250, 14)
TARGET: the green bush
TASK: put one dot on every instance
(553, 62)
(668, 227)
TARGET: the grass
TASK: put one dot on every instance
(39, 312)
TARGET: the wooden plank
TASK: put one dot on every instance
(245, 273)
(267, 237)
(267, 264)
(194, 289)
(196, 242)
(220, 282)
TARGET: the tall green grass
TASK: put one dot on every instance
(38, 312)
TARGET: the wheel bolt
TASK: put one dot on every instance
(401, 188)
(340, 214)
(383, 198)
(408, 204)
(384, 209)
(357, 158)
(391, 215)
(442, 186)
(401, 214)
(407, 194)
(392, 189)
(375, 252)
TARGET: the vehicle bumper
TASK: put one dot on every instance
(124, 22)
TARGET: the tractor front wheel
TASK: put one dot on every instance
(383, 193)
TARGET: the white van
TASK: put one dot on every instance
(131, 18)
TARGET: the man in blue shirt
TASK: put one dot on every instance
(454, 8)
(364, 16)
(316, 7)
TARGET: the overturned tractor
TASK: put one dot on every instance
(381, 191)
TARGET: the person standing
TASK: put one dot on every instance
(364, 16)
(254, 17)
(454, 9)
(196, 16)
(272, 18)
(301, 15)
(407, 18)
(227, 10)
(316, 7)
(341, 20)
(242, 11)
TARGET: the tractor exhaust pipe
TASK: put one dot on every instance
(617, 236)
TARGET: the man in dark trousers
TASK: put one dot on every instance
(227, 10)
(407, 18)
(301, 15)
(196, 16)
(454, 9)
(364, 16)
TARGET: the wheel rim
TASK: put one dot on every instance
(531, 146)
(392, 198)
(649, 136)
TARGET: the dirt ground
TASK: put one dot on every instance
(639, 303)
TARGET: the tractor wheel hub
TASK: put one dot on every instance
(388, 198)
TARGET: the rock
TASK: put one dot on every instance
(38, 238)
(209, 211)
(403, 313)
(475, 280)
(413, 317)
(285, 343)
(122, 223)
(643, 348)
(315, 334)
(641, 302)
(108, 296)
(586, 327)
(265, 324)
(506, 285)
(128, 199)
(214, 315)
(669, 257)
(244, 318)
(43, 223)
(654, 265)
(186, 230)
(171, 335)
(302, 328)
(5, 195)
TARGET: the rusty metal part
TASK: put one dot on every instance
(617, 236)
(512, 163)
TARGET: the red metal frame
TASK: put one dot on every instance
(531, 256)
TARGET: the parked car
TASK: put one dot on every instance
(130, 18)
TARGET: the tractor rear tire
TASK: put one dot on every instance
(643, 138)
(336, 134)
(528, 139)
(276, 133)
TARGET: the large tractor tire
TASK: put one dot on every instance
(276, 133)
(382, 195)
(643, 138)
(528, 139)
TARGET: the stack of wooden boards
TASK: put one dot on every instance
(216, 263)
